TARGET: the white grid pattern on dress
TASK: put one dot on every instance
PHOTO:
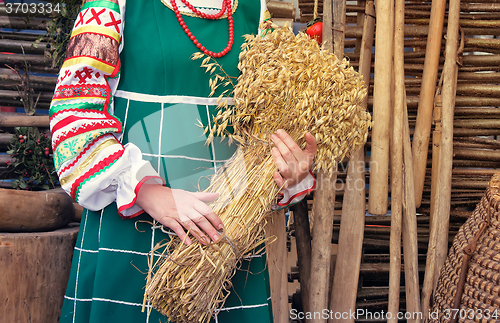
(147, 253)
(148, 305)
(140, 97)
(170, 99)
(153, 229)
(78, 266)
(102, 300)
(86, 250)
(185, 157)
(160, 133)
(224, 309)
(212, 143)
(100, 226)
(125, 121)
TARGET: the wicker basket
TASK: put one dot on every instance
(480, 294)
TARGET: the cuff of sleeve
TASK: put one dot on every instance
(140, 172)
(296, 193)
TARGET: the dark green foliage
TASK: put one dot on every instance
(59, 31)
(32, 160)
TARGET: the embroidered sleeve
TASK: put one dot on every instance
(294, 194)
(93, 166)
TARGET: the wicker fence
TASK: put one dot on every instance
(476, 127)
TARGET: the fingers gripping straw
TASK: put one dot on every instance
(287, 82)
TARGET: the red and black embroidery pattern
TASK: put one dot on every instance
(81, 91)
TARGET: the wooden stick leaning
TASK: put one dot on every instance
(397, 163)
(410, 243)
(421, 136)
(277, 264)
(286, 82)
(303, 241)
(360, 19)
(429, 276)
(379, 161)
(450, 72)
(323, 208)
(354, 204)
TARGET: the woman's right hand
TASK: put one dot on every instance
(181, 210)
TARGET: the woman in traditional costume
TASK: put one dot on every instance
(127, 145)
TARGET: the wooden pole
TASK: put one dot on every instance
(39, 81)
(479, 90)
(339, 17)
(323, 208)
(476, 154)
(12, 59)
(281, 9)
(324, 204)
(424, 116)
(4, 159)
(410, 242)
(431, 250)
(470, 144)
(353, 207)
(24, 121)
(460, 132)
(397, 163)
(23, 23)
(15, 95)
(475, 172)
(360, 18)
(450, 72)
(5, 139)
(278, 265)
(465, 101)
(379, 162)
(493, 143)
(303, 243)
(481, 81)
(436, 146)
(17, 35)
(475, 123)
(14, 46)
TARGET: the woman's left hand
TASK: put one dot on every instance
(293, 163)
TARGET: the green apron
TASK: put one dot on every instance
(161, 95)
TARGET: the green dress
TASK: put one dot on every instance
(161, 95)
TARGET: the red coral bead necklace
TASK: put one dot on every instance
(226, 7)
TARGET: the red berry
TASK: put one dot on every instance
(46, 153)
(8, 163)
(21, 140)
(21, 137)
(38, 141)
(315, 31)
